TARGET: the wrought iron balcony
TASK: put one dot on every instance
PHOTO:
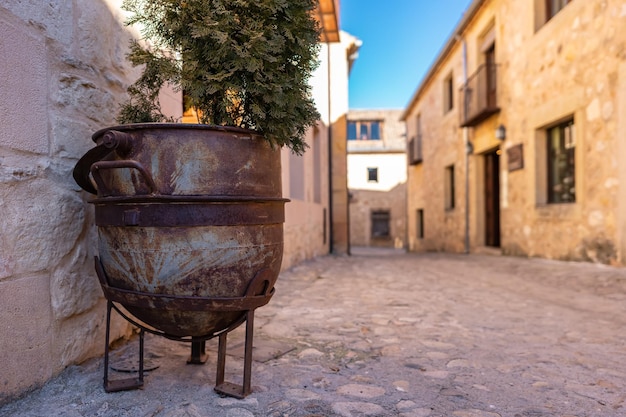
(479, 96)
(415, 150)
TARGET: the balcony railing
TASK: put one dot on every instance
(479, 96)
(415, 150)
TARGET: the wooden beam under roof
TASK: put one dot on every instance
(327, 13)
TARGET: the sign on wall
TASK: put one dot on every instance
(515, 157)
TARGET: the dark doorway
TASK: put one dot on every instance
(492, 198)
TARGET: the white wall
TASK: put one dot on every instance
(391, 170)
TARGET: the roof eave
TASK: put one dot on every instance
(327, 13)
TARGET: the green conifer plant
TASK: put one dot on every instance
(244, 63)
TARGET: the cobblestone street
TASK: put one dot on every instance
(383, 333)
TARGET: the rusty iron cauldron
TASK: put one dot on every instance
(190, 230)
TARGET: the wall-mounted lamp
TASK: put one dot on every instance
(501, 132)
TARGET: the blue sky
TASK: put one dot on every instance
(401, 39)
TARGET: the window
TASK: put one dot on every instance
(448, 94)
(296, 177)
(546, 10)
(317, 166)
(415, 144)
(380, 223)
(561, 163)
(420, 224)
(415, 150)
(325, 237)
(449, 188)
(352, 130)
(364, 130)
(372, 174)
(554, 6)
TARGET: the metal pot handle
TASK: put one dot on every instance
(112, 140)
(98, 167)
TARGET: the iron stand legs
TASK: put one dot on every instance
(198, 352)
(198, 356)
(127, 383)
(228, 388)
(259, 292)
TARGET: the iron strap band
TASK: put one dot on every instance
(190, 214)
(182, 303)
(260, 291)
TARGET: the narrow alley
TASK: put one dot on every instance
(384, 333)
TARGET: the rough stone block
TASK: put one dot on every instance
(74, 286)
(42, 223)
(25, 334)
(71, 138)
(85, 98)
(24, 74)
(52, 16)
(104, 37)
(82, 337)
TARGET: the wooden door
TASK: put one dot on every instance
(492, 199)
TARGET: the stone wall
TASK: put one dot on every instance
(569, 67)
(63, 73)
(364, 202)
(442, 147)
(572, 66)
(393, 130)
(388, 193)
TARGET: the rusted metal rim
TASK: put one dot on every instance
(178, 126)
(189, 213)
(172, 199)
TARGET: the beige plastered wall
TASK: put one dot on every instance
(340, 64)
(325, 219)
(570, 67)
(305, 183)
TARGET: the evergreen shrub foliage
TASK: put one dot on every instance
(244, 63)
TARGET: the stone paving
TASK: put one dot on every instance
(383, 333)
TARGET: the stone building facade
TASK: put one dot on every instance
(64, 74)
(518, 130)
(377, 178)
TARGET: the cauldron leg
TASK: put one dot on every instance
(198, 353)
(221, 361)
(121, 384)
(228, 388)
(247, 364)
(106, 346)
(141, 344)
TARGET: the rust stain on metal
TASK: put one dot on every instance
(185, 212)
